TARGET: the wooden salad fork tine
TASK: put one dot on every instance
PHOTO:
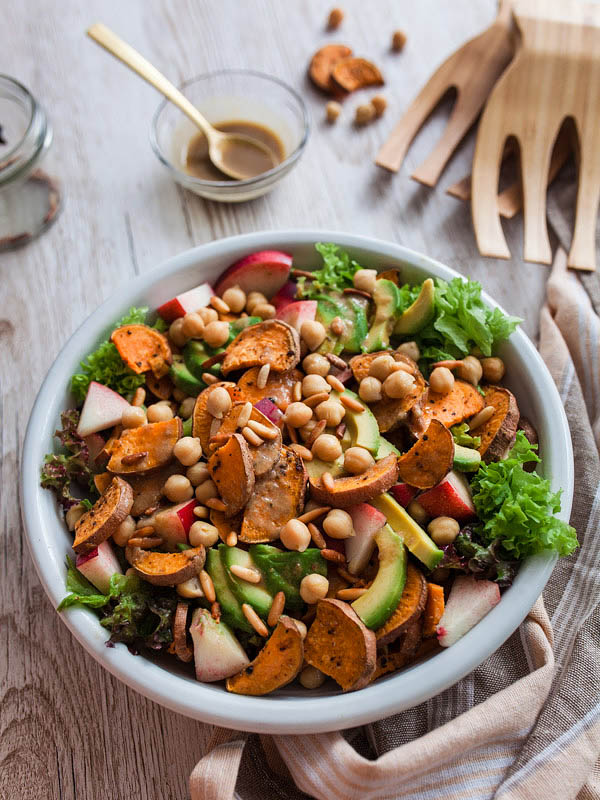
(472, 71)
(555, 75)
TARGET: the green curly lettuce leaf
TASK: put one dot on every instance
(336, 273)
(61, 470)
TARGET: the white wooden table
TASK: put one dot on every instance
(67, 728)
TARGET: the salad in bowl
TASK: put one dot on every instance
(300, 474)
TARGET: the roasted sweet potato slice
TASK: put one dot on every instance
(139, 450)
(264, 456)
(180, 644)
(166, 569)
(430, 459)
(322, 64)
(270, 342)
(411, 605)
(160, 387)
(104, 518)
(226, 524)
(143, 349)
(351, 74)
(498, 433)
(340, 645)
(201, 419)
(357, 488)
(278, 497)
(147, 489)
(453, 408)
(398, 658)
(231, 470)
(278, 387)
(434, 608)
(275, 666)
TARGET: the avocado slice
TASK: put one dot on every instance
(386, 449)
(420, 313)
(466, 459)
(363, 427)
(184, 380)
(387, 304)
(195, 354)
(352, 310)
(284, 570)
(230, 607)
(378, 603)
(415, 538)
(255, 594)
(316, 467)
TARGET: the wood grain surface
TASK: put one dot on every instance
(67, 728)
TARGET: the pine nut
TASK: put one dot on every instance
(316, 536)
(297, 392)
(145, 530)
(336, 361)
(316, 399)
(139, 397)
(208, 586)
(254, 620)
(216, 504)
(316, 431)
(346, 576)
(263, 376)
(351, 403)
(133, 458)
(314, 514)
(276, 610)
(209, 378)
(334, 383)
(201, 512)
(219, 305)
(251, 437)
(245, 573)
(328, 481)
(145, 542)
(302, 451)
(480, 419)
(231, 539)
(350, 594)
(337, 326)
(244, 415)
(263, 430)
(333, 555)
(293, 434)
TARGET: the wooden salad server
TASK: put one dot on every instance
(555, 76)
(472, 71)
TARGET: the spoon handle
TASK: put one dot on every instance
(132, 59)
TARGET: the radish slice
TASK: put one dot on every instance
(285, 296)
(265, 271)
(269, 409)
(469, 601)
(102, 409)
(99, 566)
(297, 313)
(181, 305)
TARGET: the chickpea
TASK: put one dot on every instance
(381, 367)
(313, 333)
(331, 411)
(301, 627)
(398, 41)
(379, 103)
(313, 587)
(316, 364)
(178, 489)
(216, 333)
(193, 325)
(370, 390)
(186, 409)
(338, 524)
(219, 402)
(264, 310)
(333, 109)
(410, 349)
(336, 15)
(205, 491)
(190, 589)
(357, 460)
(417, 512)
(364, 279)
(73, 515)
(159, 412)
(252, 300)
(327, 447)
(203, 533)
(470, 370)
(443, 530)
(311, 677)
(176, 334)
(398, 384)
(133, 417)
(124, 532)
(297, 415)
(441, 380)
(306, 430)
(235, 298)
(314, 384)
(188, 451)
(364, 114)
(493, 369)
(295, 535)
(197, 474)
(208, 315)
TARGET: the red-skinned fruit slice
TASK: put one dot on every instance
(102, 409)
(99, 566)
(182, 304)
(366, 522)
(469, 601)
(450, 498)
(297, 313)
(265, 271)
(403, 493)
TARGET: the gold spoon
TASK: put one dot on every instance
(225, 150)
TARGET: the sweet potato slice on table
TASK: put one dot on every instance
(139, 450)
(434, 608)
(278, 388)
(166, 569)
(143, 349)
(231, 470)
(270, 342)
(498, 433)
(264, 456)
(351, 74)
(357, 488)
(278, 497)
(340, 645)
(453, 408)
(275, 666)
(398, 658)
(103, 519)
(180, 645)
(322, 64)
(411, 606)
(201, 419)
(430, 459)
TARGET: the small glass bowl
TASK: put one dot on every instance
(225, 96)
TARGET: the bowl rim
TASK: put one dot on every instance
(282, 167)
(275, 714)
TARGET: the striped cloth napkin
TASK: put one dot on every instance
(526, 723)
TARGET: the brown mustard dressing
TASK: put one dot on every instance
(249, 160)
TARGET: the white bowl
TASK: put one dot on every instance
(293, 709)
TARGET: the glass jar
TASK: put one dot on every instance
(29, 198)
